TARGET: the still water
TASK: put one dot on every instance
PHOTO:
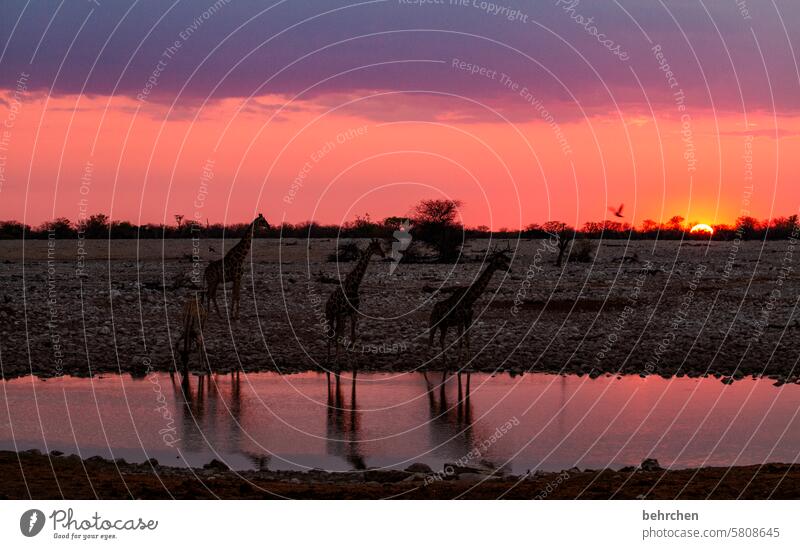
(298, 421)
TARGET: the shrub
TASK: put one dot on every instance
(345, 253)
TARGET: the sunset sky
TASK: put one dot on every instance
(324, 109)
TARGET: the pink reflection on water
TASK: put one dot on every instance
(537, 421)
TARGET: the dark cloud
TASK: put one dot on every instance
(247, 47)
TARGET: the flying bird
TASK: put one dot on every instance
(618, 211)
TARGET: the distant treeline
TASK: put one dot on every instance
(100, 227)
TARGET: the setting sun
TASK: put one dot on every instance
(702, 228)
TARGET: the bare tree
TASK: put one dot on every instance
(565, 235)
(564, 242)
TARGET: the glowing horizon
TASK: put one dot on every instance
(213, 125)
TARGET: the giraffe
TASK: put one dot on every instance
(344, 300)
(193, 320)
(230, 268)
(456, 309)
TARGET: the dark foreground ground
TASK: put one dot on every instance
(39, 476)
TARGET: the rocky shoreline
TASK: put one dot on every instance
(33, 475)
(677, 311)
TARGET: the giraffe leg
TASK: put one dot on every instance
(351, 344)
(353, 321)
(466, 342)
(339, 335)
(187, 350)
(185, 386)
(186, 342)
(466, 332)
(353, 397)
(329, 327)
(237, 286)
(185, 353)
(201, 344)
(212, 296)
(460, 336)
(442, 335)
(335, 340)
(335, 336)
(211, 289)
(327, 348)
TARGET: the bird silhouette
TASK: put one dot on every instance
(211, 249)
(618, 211)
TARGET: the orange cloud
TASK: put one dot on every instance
(149, 162)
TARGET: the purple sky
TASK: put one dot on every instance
(239, 30)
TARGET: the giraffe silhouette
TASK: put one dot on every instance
(456, 309)
(344, 301)
(193, 320)
(230, 268)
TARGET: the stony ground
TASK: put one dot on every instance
(645, 308)
(31, 475)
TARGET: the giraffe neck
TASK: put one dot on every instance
(477, 288)
(353, 279)
(240, 251)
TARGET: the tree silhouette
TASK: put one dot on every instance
(96, 226)
(435, 224)
(565, 235)
(60, 227)
(747, 227)
(675, 223)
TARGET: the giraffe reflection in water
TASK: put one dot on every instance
(394, 420)
(203, 409)
(212, 412)
(343, 425)
(451, 425)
